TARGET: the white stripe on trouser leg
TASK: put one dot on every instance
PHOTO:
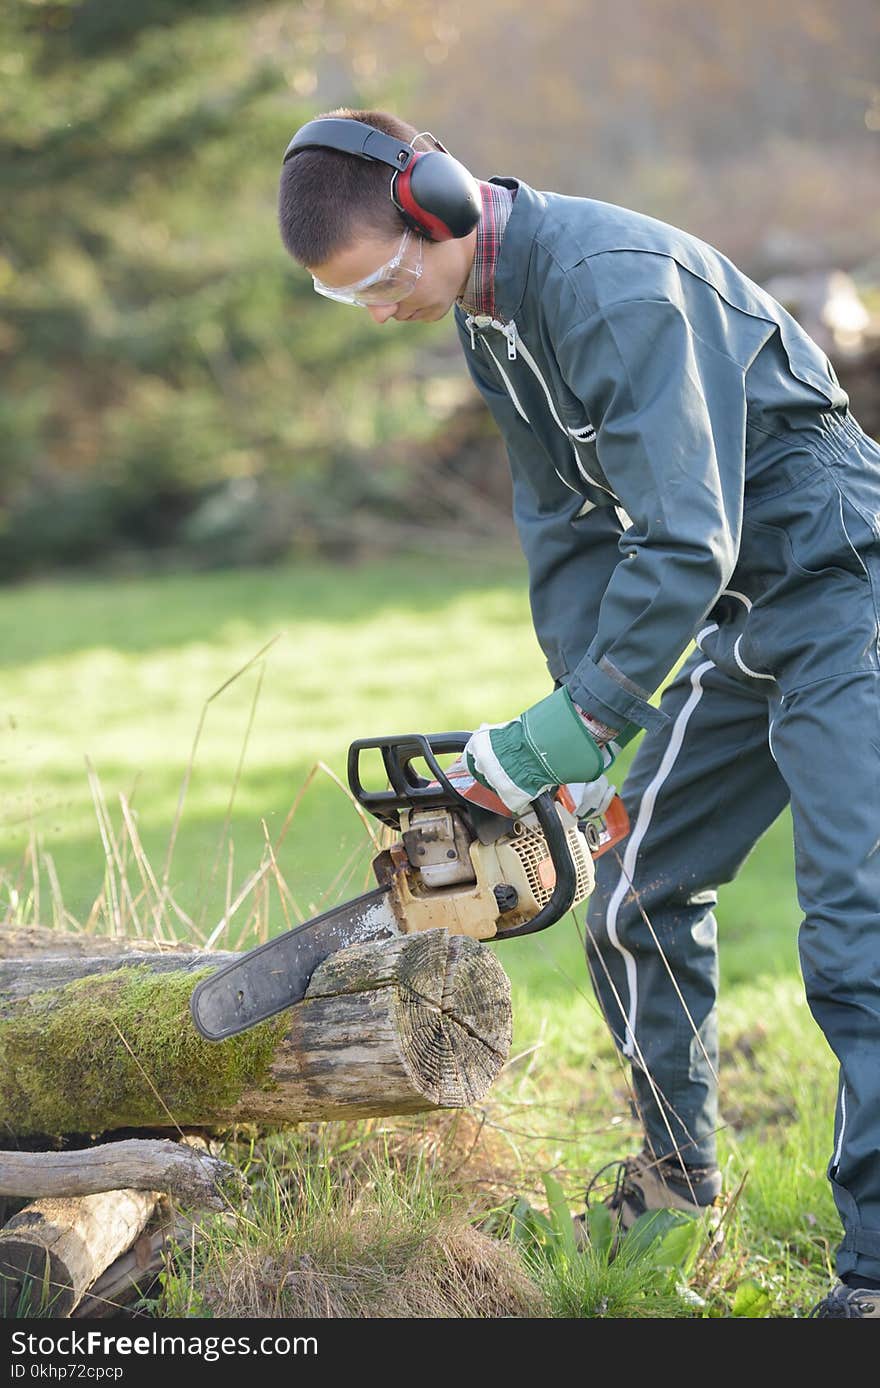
(836, 1161)
(634, 843)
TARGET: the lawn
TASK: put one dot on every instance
(200, 705)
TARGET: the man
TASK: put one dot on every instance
(685, 469)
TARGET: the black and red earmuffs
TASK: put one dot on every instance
(433, 192)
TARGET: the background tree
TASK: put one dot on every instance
(171, 383)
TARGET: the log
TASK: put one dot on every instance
(95, 1045)
(53, 1250)
(193, 1178)
(134, 1273)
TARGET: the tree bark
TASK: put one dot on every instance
(52, 1251)
(98, 1044)
(193, 1178)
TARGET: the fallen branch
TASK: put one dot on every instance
(191, 1177)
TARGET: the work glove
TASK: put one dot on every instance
(591, 798)
(547, 746)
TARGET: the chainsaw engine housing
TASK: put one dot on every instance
(442, 875)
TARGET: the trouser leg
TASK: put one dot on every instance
(826, 738)
(699, 794)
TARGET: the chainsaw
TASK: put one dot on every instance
(459, 862)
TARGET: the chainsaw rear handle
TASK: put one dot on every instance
(411, 790)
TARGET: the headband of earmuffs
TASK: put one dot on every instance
(434, 193)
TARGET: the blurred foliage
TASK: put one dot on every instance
(170, 382)
(165, 364)
(754, 125)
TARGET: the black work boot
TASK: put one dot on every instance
(644, 1182)
(849, 1303)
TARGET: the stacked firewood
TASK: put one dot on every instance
(112, 1101)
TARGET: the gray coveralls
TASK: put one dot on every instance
(686, 468)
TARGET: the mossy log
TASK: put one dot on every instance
(92, 1045)
(53, 1251)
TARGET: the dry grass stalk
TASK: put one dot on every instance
(181, 799)
(375, 1265)
(236, 780)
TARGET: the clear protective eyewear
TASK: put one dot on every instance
(391, 283)
(398, 277)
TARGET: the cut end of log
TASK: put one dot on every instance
(400, 1027)
(455, 1036)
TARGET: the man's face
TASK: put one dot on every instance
(445, 267)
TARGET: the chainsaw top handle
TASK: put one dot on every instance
(408, 790)
(411, 791)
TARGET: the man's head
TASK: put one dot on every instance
(338, 219)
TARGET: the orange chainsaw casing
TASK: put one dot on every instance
(615, 820)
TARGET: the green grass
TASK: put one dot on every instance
(119, 673)
(123, 677)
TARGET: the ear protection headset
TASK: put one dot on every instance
(433, 192)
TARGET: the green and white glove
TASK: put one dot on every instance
(547, 746)
(591, 798)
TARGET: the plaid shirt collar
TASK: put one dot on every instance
(479, 295)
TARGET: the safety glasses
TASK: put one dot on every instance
(391, 283)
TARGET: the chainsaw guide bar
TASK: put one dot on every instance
(276, 975)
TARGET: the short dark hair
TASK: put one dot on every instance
(327, 197)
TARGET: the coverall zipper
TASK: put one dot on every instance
(516, 347)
